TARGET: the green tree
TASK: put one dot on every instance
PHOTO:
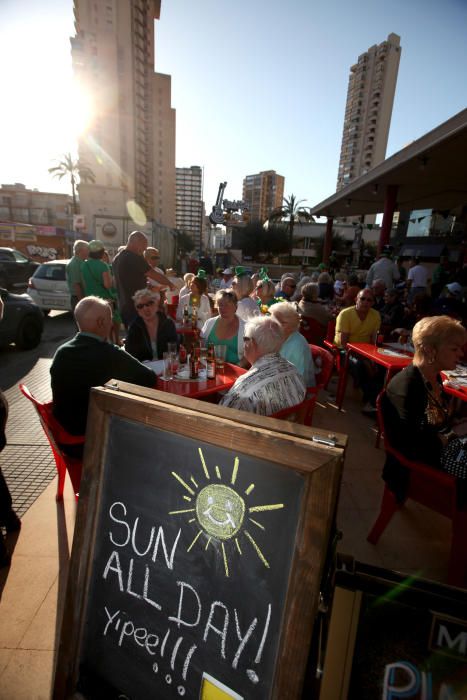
(339, 243)
(290, 213)
(255, 241)
(74, 169)
(185, 243)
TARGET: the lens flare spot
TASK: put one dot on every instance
(136, 213)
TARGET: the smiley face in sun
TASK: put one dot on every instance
(221, 512)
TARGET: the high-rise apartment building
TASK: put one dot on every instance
(370, 98)
(190, 205)
(130, 143)
(263, 193)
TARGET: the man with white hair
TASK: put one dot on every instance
(89, 360)
(272, 383)
(131, 272)
(74, 272)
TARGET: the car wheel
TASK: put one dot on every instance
(29, 333)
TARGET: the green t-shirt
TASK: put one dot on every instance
(74, 274)
(92, 271)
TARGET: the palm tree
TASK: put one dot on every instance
(290, 213)
(73, 169)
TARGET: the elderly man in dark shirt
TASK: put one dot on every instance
(131, 271)
(90, 360)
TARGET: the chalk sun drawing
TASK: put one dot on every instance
(221, 512)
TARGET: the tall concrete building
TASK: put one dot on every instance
(130, 143)
(190, 205)
(263, 193)
(368, 110)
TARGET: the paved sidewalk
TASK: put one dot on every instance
(32, 589)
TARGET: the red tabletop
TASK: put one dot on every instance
(198, 389)
(186, 330)
(460, 393)
(392, 364)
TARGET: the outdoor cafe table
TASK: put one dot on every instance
(392, 363)
(197, 389)
(460, 391)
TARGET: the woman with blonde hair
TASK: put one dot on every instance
(152, 330)
(186, 287)
(417, 410)
(242, 284)
(295, 349)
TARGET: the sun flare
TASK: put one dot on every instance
(221, 512)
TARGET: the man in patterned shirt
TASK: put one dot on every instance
(272, 383)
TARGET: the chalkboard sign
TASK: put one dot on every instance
(196, 554)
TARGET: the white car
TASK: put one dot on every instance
(48, 287)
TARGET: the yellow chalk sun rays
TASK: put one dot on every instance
(220, 510)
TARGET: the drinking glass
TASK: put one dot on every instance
(172, 347)
(220, 352)
(168, 365)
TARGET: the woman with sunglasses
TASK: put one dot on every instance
(149, 334)
(227, 328)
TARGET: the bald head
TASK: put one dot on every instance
(137, 242)
(94, 315)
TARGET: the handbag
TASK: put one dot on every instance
(454, 457)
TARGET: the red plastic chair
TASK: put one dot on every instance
(313, 331)
(325, 360)
(301, 413)
(334, 349)
(432, 488)
(56, 436)
(171, 309)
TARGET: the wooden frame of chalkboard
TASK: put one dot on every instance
(199, 546)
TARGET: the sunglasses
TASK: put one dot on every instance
(146, 303)
(366, 299)
(246, 338)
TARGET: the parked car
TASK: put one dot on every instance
(15, 269)
(23, 321)
(48, 287)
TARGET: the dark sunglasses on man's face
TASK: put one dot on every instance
(366, 299)
(146, 303)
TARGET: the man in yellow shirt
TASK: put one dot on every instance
(360, 324)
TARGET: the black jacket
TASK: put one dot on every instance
(138, 343)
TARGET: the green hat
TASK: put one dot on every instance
(201, 274)
(96, 246)
(240, 271)
(322, 266)
(263, 274)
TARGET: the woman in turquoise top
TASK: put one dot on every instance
(295, 349)
(227, 328)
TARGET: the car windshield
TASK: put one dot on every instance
(19, 257)
(50, 272)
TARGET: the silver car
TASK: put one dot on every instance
(48, 287)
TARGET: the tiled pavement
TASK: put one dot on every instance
(27, 462)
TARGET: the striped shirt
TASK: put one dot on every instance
(271, 384)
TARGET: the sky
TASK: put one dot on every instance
(256, 85)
